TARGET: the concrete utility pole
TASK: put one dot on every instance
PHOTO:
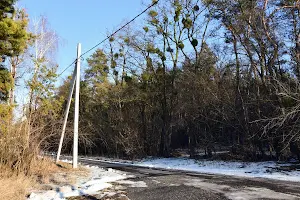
(76, 113)
(72, 84)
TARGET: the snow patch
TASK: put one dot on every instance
(66, 161)
(243, 169)
(199, 183)
(231, 168)
(258, 193)
(155, 181)
(133, 184)
(100, 179)
(247, 193)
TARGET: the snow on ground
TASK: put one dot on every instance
(133, 184)
(243, 169)
(100, 179)
(250, 169)
(239, 193)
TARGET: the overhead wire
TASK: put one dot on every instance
(111, 35)
(66, 68)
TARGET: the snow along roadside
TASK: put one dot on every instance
(99, 179)
(241, 169)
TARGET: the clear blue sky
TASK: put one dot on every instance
(86, 21)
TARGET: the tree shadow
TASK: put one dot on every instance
(62, 195)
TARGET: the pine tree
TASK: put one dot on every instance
(14, 40)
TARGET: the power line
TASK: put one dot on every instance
(108, 37)
(153, 4)
(67, 68)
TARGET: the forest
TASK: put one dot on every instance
(205, 75)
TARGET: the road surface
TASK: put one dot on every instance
(180, 185)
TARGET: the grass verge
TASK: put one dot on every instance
(17, 186)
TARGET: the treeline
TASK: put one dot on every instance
(197, 74)
(192, 74)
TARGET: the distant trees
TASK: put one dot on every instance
(197, 74)
(193, 74)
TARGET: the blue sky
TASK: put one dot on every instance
(86, 21)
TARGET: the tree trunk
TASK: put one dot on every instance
(144, 129)
(192, 142)
(237, 87)
(298, 56)
(164, 144)
(13, 71)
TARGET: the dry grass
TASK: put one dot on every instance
(21, 168)
(15, 185)
(46, 171)
(43, 168)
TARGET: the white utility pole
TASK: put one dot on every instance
(76, 115)
(72, 84)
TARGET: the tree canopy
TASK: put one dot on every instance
(14, 40)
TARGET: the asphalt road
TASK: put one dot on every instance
(179, 185)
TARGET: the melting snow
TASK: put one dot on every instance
(245, 193)
(100, 180)
(133, 184)
(243, 169)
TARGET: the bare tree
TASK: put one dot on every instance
(46, 42)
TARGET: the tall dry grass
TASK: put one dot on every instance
(17, 152)
(18, 185)
(14, 186)
(20, 142)
(20, 164)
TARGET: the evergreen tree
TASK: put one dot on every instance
(14, 39)
(98, 68)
